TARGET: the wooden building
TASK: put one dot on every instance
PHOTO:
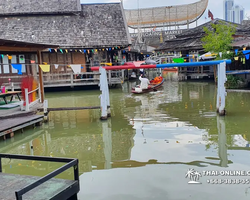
(188, 45)
(87, 35)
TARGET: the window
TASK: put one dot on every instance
(6, 67)
(21, 61)
(14, 61)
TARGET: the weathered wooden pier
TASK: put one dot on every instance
(11, 125)
(28, 187)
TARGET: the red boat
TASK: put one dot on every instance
(151, 87)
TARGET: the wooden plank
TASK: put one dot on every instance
(55, 187)
(71, 108)
(14, 124)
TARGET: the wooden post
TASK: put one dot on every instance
(221, 90)
(39, 56)
(26, 93)
(103, 87)
(72, 80)
(45, 110)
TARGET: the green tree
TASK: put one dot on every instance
(219, 39)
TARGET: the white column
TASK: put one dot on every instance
(26, 93)
(221, 91)
(103, 97)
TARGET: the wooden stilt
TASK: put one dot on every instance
(105, 102)
(39, 56)
(221, 90)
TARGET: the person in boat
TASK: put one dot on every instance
(144, 82)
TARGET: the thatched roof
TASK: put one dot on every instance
(191, 39)
(95, 25)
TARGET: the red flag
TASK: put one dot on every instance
(210, 15)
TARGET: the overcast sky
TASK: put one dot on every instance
(215, 6)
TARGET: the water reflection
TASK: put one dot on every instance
(160, 135)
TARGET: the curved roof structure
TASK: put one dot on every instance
(166, 16)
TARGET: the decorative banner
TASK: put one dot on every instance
(56, 66)
(178, 60)
(220, 54)
(32, 61)
(18, 67)
(247, 56)
(49, 50)
(236, 51)
(55, 50)
(61, 50)
(129, 48)
(9, 57)
(236, 58)
(88, 51)
(2, 56)
(244, 48)
(187, 55)
(45, 68)
(193, 56)
(66, 50)
(76, 68)
(191, 60)
(247, 51)
(84, 50)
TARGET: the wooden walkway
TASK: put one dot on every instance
(10, 125)
(14, 186)
(54, 187)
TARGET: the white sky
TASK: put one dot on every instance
(215, 6)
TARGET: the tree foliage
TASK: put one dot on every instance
(219, 38)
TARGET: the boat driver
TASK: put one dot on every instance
(144, 82)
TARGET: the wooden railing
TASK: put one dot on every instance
(68, 79)
(28, 104)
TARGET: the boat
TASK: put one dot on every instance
(151, 87)
(174, 69)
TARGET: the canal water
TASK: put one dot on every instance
(147, 147)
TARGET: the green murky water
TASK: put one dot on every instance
(145, 150)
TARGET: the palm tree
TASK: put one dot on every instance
(197, 175)
(190, 174)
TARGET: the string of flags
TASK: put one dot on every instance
(76, 68)
(87, 50)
